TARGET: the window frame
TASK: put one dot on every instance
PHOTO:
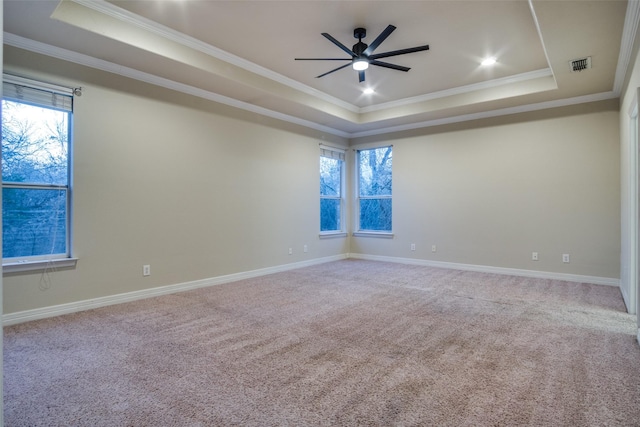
(360, 232)
(336, 154)
(55, 260)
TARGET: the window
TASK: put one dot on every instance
(331, 178)
(36, 191)
(374, 189)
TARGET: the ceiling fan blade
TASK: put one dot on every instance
(335, 69)
(383, 35)
(399, 52)
(361, 76)
(387, 65)
(340, 45)
(323, 59)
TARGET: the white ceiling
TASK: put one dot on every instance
(242, 53)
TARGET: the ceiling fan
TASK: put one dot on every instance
(361, 56)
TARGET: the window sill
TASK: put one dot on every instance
(380, 235)
(333, 234)
(50, 264)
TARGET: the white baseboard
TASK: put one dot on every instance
(625, 298)
(73, 307)
(57, 310)
(497, 270)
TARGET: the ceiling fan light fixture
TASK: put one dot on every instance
(360, 64)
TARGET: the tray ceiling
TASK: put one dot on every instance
(242, 53)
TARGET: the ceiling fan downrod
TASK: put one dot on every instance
(360, 61)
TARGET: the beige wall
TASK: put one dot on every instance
(195, 189)
(199, 190)
(492, 192)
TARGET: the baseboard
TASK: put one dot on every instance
(625, 298)
(73, 307)
(497, 270)
(57, 310)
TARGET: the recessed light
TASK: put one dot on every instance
(488, 61)
(368, 91)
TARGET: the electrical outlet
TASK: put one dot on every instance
(566, 259)
(290, 251)
(305, 249)
(146, 270)
(433, 248)
(534, 256)
(413, 246)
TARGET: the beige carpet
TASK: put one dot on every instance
(344, 343)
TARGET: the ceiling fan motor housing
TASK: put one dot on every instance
(359, 47)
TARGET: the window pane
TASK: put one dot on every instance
(375, 214)
(34, 222)
(34, 144)
(330, 215)
(375, 171)
(330, 176)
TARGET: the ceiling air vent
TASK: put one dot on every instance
(580, 64)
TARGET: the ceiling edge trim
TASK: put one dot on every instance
(493, 113)
(120, 14)
(99, 64)
(89, 61)
(164, 49)
(629, 30)
(488, 84)
(544, 47)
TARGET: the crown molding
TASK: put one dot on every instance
(632, 19)
(488, 114)
(539, 30)
(629, 31)
(182, 39)
(145, 24)
(89, 61)
(488, 84)
(99, 64)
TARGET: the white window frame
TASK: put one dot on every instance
(61, 98)
(359, 231)
(338, 154)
